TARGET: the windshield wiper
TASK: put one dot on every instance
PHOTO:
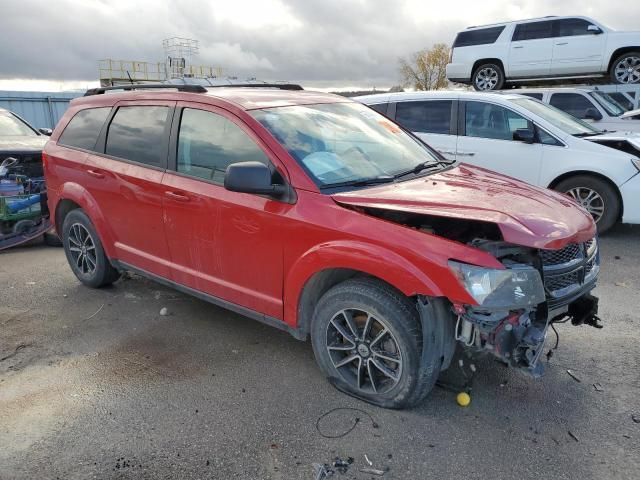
(424, 166)
(587, 134)
(363, 182)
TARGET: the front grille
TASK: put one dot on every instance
(567, 270)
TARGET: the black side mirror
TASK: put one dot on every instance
(594, 30)
(592, 114)
(526, 135)
(45, 131)
(251, 177)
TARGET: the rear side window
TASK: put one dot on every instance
(482, 36)
(570, 27)
(533, 31)
(137, 134)
(208, 143)
(425, 117)
(84, 128)
(572, 103)
(537, 96)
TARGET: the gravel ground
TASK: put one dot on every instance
(98, 384)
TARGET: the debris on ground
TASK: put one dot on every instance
(621, 284)
(367, 460)
(573, 375)
(321, 471)
(598, 387)
(573, 435)
(463, 399)
(164, 311)
(373, 471)
(635, 418)
(356, 421)
(96, 312)
(342, 465)
(16, 350)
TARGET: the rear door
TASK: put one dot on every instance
(531, 50)
(433, 121)
(486, 140)
(576, 50)
(226, 244)
(125, 179)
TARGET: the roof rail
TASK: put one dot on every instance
(512, 21)
(191, 88)
(146, 86)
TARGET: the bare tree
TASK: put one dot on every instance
(425, 70)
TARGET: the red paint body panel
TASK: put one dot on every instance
(258, 252)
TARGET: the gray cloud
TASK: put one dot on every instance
(328, 42)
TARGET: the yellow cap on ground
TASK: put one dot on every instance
(463, 399)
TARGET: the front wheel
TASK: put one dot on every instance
(626, 69)
(367, 340)
(488, 76)
(596, 196)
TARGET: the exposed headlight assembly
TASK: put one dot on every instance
(516, 287)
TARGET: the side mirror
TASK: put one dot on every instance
(592, 114)
(45, 131)
(251, 177)
(594, 29)
(526, 135)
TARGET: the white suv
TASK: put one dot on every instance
(546, 48)
(526, 139)
(588, 104)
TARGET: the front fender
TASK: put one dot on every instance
(79, 195)
(354, 255)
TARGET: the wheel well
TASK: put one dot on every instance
(317, 286)
(576, 173)
(62, 210)
(487, 60)
(619, 52)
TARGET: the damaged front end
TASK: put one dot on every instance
(516, 306)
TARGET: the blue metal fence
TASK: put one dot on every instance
(40, 109)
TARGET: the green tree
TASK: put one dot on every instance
(426, 69)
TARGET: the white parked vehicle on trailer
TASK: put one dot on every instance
(550, 48)
(589, 104)
(526, 139)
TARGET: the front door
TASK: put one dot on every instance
(125, 179)
(431, 121)
(226, 244)
(577, 50)
(487, 141)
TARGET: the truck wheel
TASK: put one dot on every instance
(596, 196)
(626, 69)
(367, 340)
(488, 76)
(84, 251)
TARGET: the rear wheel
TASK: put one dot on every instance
(84, 251)
(626, 69)
(367, 339)
(597, 196)
(488, 76)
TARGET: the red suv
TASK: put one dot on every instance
(319, 216)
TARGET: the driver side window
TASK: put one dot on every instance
(485, 120)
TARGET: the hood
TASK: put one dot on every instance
(526, 215)
(632, 137)
(22, 143)
(630, 113)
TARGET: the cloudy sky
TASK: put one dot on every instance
(321, 43)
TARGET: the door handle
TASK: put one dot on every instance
(177, 196)
(519, 46)
(446, 152)
(466, 154)
(95, 173)
(563, 43)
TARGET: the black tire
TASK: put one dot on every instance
(621, 75)
(102, 272)
(609, 199)
(488, 77)
(389, 309)
(51, 239)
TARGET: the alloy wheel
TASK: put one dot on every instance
(627, 70)
(487, 78)
(82, 249)
(364, 351)
(590, 200)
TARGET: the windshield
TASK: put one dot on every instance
(344, 142)
(11, 126)
(556, 117)
(607, 102)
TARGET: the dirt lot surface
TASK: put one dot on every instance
(98, 384)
